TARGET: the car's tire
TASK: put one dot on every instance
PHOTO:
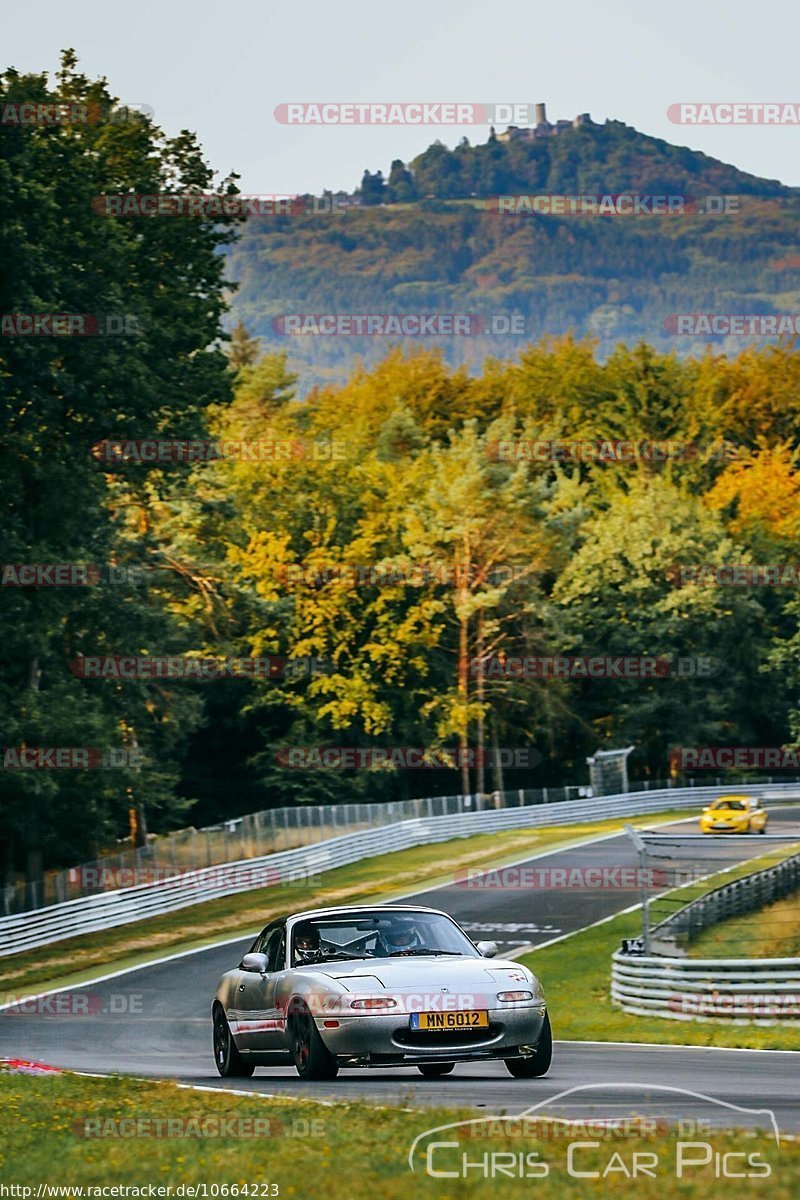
(539, 1063)
(435, 1070)
(763, 828)
(230, 1063)
(311, 1058)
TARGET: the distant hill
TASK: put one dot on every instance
(429, 239)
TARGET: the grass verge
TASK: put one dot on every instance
(666, 905)
(76, 960)
(341, 1151)
(772, 932)
(576, 974)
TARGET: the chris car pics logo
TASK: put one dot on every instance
(679, 1138)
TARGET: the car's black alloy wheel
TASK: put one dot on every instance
(311, 1058)
(230, 1063)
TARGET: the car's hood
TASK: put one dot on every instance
(413, 973)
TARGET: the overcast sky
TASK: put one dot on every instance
(221, 69)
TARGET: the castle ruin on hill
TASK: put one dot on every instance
(542, 127)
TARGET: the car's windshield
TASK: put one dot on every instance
(376, 934)
(736, 805)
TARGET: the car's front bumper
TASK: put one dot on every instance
(378, 1039)
(724, 826)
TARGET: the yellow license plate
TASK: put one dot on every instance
(450, 1020)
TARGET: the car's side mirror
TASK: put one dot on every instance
(486, 949)
(255, 962)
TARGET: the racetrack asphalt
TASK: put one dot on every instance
(155, 1020)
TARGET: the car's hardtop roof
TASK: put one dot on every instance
(356, 909)
(724, 799)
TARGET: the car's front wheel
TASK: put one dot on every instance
(539, 1063)
(311, 1058)
(230, 1063)
(435, 1070)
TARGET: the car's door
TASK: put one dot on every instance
(258, 1024)
(237, 990)
(274, 1033)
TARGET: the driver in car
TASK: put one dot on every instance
(399, 937)
(307, 947)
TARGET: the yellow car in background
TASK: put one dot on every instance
(734, 814)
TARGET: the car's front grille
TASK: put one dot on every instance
(431, 1038)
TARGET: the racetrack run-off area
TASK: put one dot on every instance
(155, 1020)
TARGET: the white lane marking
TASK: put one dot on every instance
(675, 1046)
(226, 1091)
(156, 962)
(632, 908)
(603, 921)
(153, 962)
(510, 927)
(556, 849)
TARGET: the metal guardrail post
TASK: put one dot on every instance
(641, 850)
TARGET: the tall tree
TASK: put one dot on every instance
(158, 280)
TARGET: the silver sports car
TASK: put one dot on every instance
(391, 986)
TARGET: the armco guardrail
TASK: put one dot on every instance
(270, 831)
(744, 895)
(254, 835)
(753, 991)
(107, 910)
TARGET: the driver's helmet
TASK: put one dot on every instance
(306, 944)
(401, 935)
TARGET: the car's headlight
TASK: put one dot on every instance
(518, 995)
(371, 1002)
